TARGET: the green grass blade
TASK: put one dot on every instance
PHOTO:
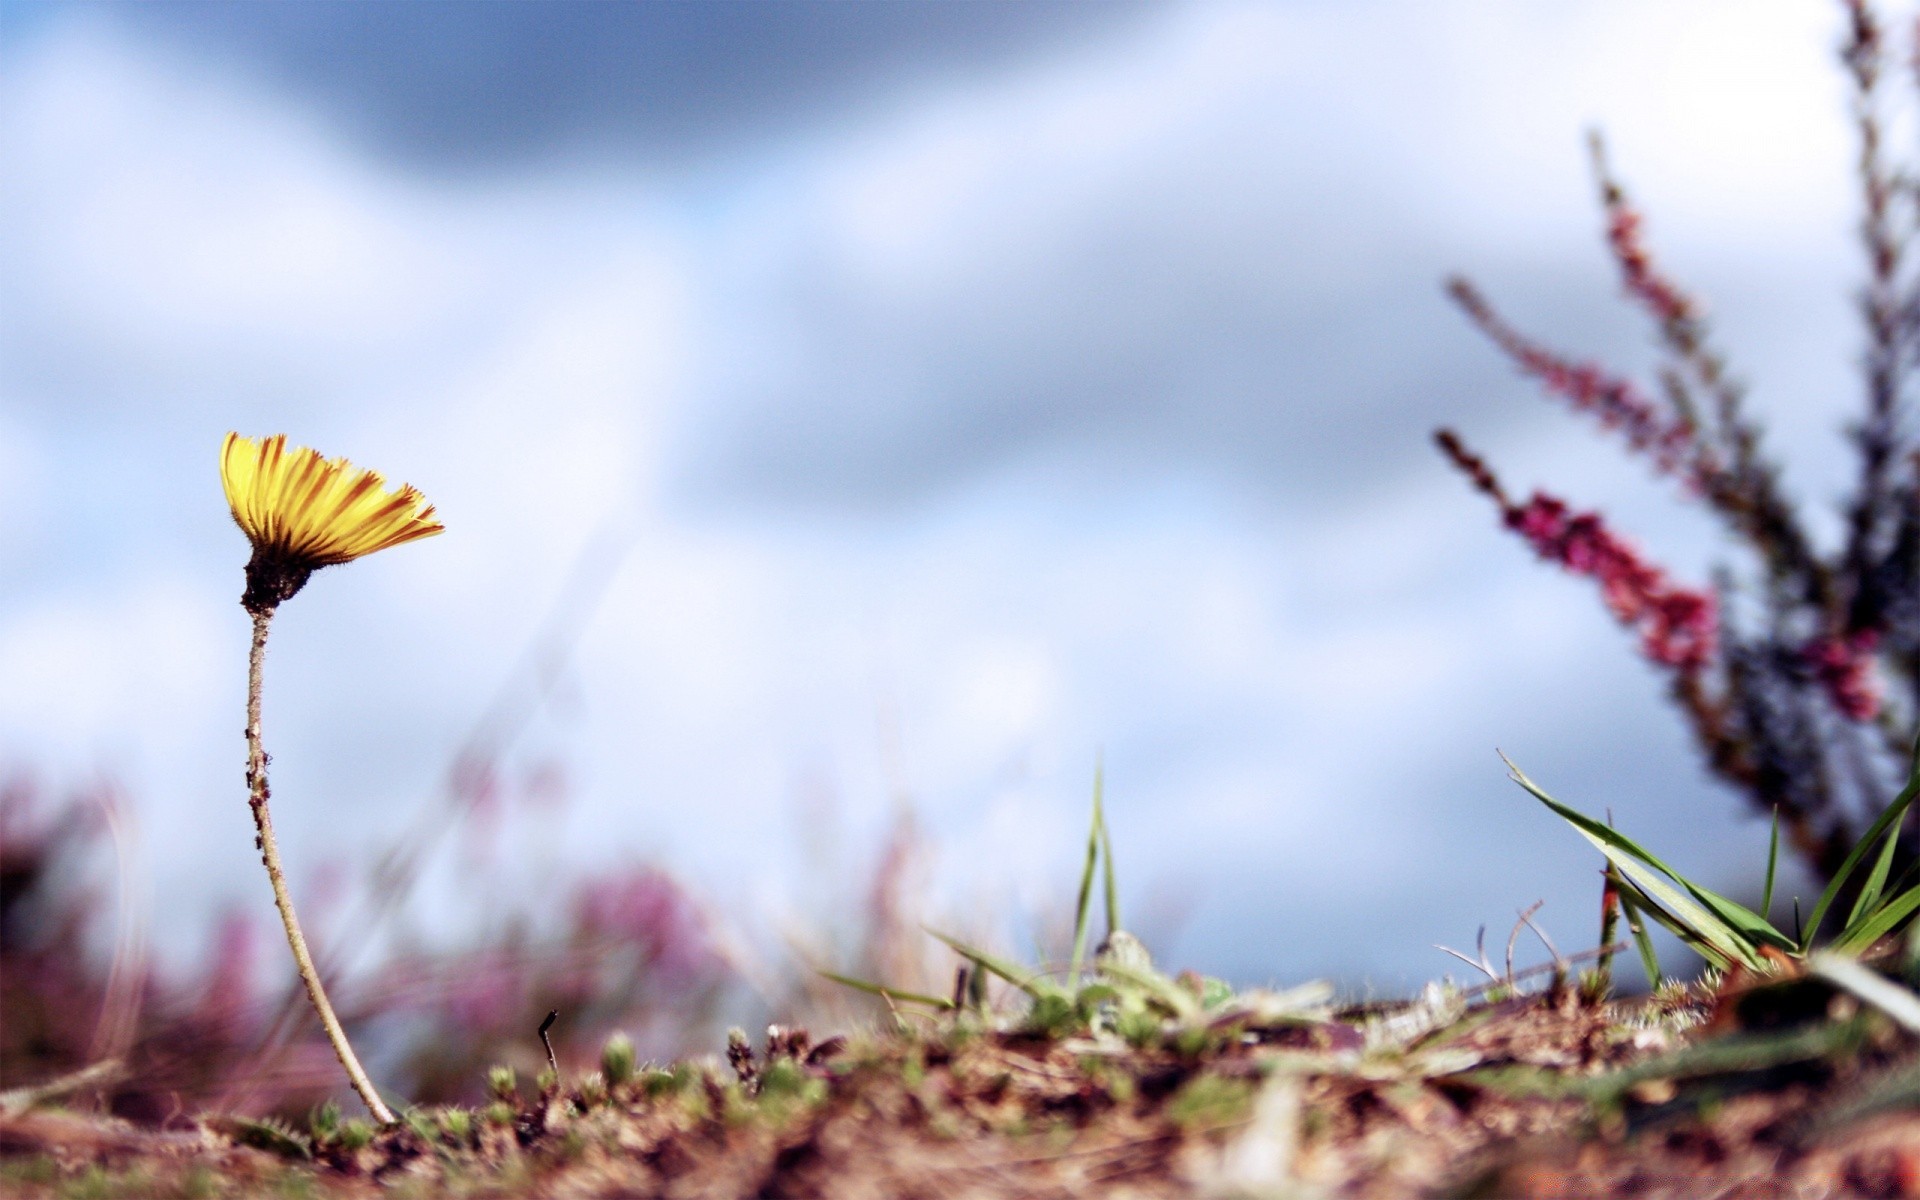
(1719, 953)
(1773, 860)
(1730, 926)
(1661, 898)
(1869, 897)
(1880, 923)
(1083, 906)
(1752, 925)
(1014, 975)
(885, 992)
(1111, 888)
(1888, 819)
(1649, 960)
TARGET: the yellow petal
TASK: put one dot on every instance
(309, 511)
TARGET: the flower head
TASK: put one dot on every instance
(303, 512)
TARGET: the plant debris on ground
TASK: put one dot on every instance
(1795, 1082)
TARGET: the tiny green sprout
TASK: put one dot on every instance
(457, 1124)
(1191, 1041)
(502, 1082)
(356, 1133)
(783, 1077)
(593, 1089)
(422, 1124)
(499, 1113)
(547, 1081)
(1209, 1102)
(273, 1135)
(324, 1121)
(1052, 1015)
(617, 1059)
(1137, 1026)
(655, 1083)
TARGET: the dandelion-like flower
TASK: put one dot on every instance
(303, 512)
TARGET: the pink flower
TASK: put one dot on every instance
(1844, 667)
(1589, 388)
(1678, 627)
(1661, 295)
(648, 910)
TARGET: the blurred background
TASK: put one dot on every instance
(853, 422)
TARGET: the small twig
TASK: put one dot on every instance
(1491, 974)
(553, 1064)
(1539, 968)
(1559, 960)
(1513, 938)
(1609, 925)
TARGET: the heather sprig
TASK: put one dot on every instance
(1798, 672)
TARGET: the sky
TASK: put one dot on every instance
(905, 408)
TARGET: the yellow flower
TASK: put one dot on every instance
(303, 512)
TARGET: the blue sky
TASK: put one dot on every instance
(957, 395)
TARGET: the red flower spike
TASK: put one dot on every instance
(1844, 665)
(1678, 627)
(1587, 387)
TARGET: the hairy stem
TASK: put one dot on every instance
(270, 856)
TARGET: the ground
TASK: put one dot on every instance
(1778, 1086)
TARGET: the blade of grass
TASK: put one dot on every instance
(1773, 860)
(1649, 960)
(1746, 926)
(1884, 920)
(1869, 897)
(1083, 906)
(1016, 976)
(1107, 876)
(1663, 900)
(887, 993)
(1868, 902)
(1889, 819)
(1718, 954)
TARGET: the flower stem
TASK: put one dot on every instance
(270, 856)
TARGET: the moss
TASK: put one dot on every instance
(617, 1059)
(1210, 1101)
(356, 1133)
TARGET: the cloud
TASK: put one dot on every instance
(478, 87)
